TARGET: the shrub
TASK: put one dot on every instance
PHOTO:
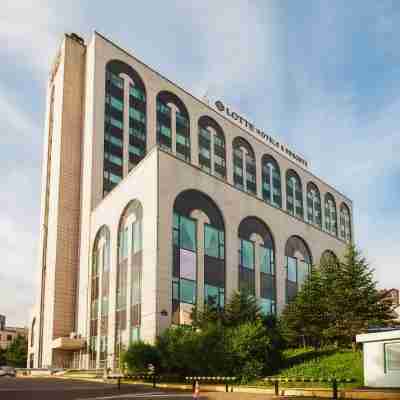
(139, 356)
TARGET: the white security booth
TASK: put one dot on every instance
(381, 351)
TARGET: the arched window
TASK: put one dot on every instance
(298, 265)
(294, 194)
(330, 215)
(256, 256)
(211, 147)
(313, 205)
(123, 85)
(345, 223)
(244, 166)
(328, 256)
(198, 227)
(100, 288)
(173, 126)
(33, 326)
(128, 311)
(271, 181)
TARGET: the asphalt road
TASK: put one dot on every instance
(60, 389)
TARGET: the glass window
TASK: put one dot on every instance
(392, 356)
(211, 241)
(187, 264)
(187, 233)
(267, 260)
(292, 269)
(116, 103)
(267, 306)
(135, 334)
(247, 254)
(303, 272)
(175, 289)
(188, 291)
(136, 236)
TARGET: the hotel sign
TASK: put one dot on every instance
(252, 129)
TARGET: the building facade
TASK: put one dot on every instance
(9, 333)
(154, 201)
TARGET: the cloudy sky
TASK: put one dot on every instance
(322, 76)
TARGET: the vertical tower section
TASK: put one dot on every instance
(60, 204)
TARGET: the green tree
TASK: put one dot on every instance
(3, 359)
(355, 302)
(252, 350)
(140, 355)
(241, 308)
(17, 353)
(338, 301)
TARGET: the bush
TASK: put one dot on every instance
(139, 356)
(253, 351)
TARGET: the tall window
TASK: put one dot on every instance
(271, 181)
(244, 166)
(294, 194)
(330, 214)
(128, 310)
(173, 125)
(313, 205)
(345, 223)
(298, 265)
(99, 298)
(211, 147)
(137, 123)
(196, 214)
(256, 257)
(121, 78)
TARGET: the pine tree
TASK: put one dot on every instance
(337, 302)
(354, 299)
(241, 308)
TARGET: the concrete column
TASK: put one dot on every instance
(151, 118)
(125, 149)
(194, 141)
(229, 160)
(173, 126)
(258, 241)
(259, 177)
(201, 220)
(281, 274)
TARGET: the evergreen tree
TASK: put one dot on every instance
(240, 309)
(355, 302)
(337, 302)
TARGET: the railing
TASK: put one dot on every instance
(333, 381)
(226, 380)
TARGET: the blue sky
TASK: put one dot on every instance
(322, 76)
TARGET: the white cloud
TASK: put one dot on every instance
(30, 30)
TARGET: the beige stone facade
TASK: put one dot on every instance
(80, 224)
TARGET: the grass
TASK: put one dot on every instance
(325, 363)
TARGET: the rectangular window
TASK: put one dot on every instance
(116, 103)
(392, 356)
(175, 289)
(137, 115)
(187, 233)
(247, 254)
(303, 270)
(267, 306)
(112, 139)
(291, 269)
(188, 291)
(116, 123)
(267, 260)
(187, 264)
(211, 241)
(114, 178)
(137, 93)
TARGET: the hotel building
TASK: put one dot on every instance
(154, 200)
